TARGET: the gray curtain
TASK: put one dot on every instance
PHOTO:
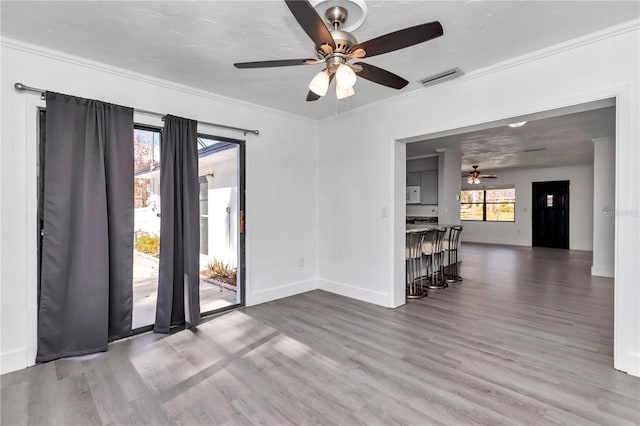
(179, 283)
(87, 249)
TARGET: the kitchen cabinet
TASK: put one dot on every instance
(413, 179)
(428, 187)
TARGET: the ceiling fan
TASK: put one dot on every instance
(474, 176)
(336, 49)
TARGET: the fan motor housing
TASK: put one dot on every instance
(344, 41)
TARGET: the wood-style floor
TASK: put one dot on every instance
(525, 339)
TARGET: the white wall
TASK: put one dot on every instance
(361, 252)
(449, 186)
(604, 175)
(281, 185)
(519, 232)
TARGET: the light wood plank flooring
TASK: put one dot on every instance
(525, 339)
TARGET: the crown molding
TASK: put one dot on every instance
(555, 49)
(144, 78)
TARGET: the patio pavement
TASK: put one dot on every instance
(145, 285)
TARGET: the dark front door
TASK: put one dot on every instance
(550, 214)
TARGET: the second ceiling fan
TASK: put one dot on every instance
(474, 176)
(337, 48)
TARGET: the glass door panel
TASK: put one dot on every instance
(146, 246)
(220, 249)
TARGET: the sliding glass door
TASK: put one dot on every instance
(221, 181)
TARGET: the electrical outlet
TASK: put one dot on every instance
(301, 262)
(384, 212)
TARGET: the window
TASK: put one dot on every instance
(472, 205)
(488, 205)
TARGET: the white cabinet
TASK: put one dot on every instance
(429, 187)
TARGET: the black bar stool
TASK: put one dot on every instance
(451, 246)
(415, 264)
(433, 253)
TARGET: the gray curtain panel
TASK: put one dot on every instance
(87, 248)
(179, 282)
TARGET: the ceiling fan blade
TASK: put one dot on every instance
(270, 64)
(488, 177)
(380, 76)
(313, 96)
(401, 39)
(311, 22)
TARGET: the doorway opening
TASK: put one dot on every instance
(573, 144)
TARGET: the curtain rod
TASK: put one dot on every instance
(24, 88)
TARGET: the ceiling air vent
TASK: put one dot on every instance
(442, 77)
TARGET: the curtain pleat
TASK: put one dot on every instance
(179, 283)
(87, 248)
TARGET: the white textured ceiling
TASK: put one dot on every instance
(196, 43)
(562, 140)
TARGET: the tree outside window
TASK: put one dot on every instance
(146, 155)
(488, 205)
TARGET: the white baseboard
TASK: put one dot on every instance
(602, 271)
(285, 290)
(633, 364)
(359, 293)
(13, 360)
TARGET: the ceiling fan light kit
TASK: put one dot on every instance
(336, 46)
(320, 83)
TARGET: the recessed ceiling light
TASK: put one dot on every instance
(519, 124)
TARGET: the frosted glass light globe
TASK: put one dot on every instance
(345, 77)
(320, 83)
(342, 93)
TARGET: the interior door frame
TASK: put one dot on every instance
(625, 265)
